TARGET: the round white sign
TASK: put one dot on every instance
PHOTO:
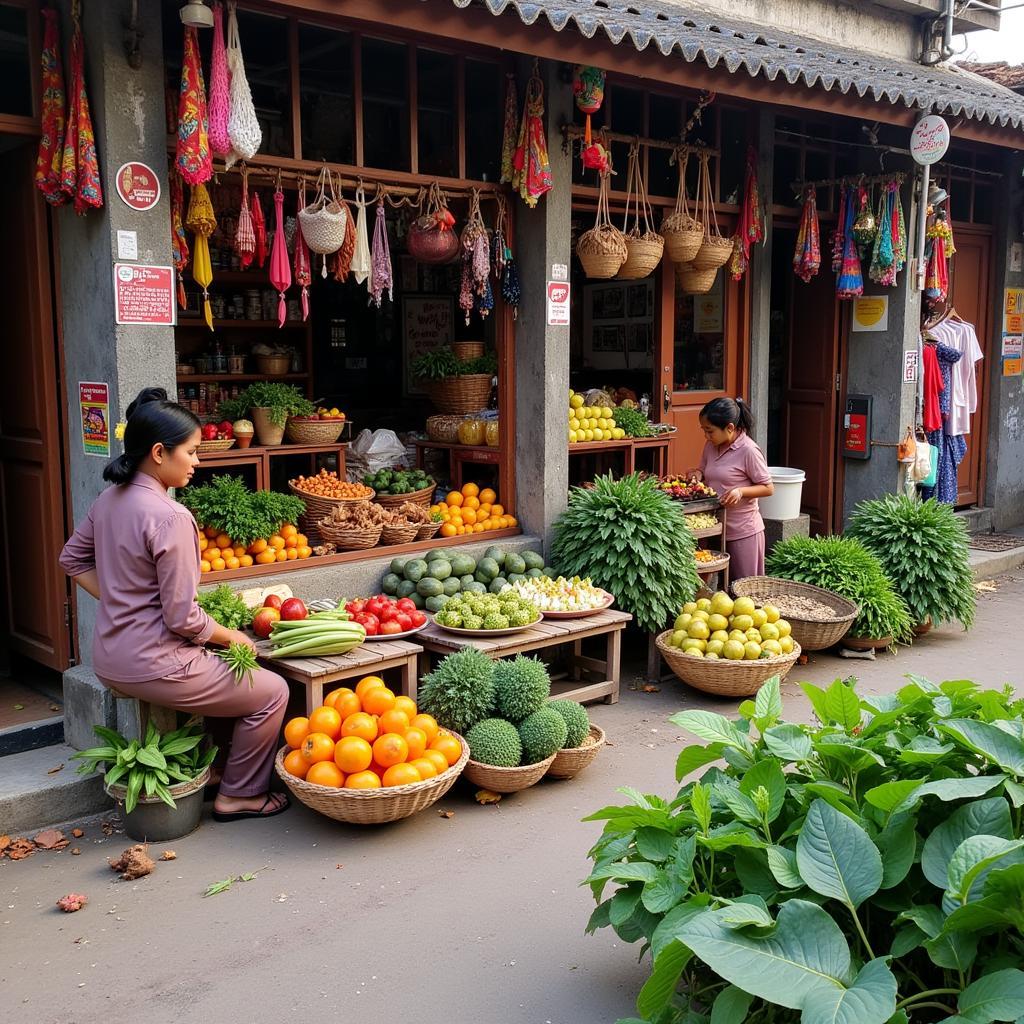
(929, 139)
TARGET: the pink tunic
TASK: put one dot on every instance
(144, 547)
(742, 464)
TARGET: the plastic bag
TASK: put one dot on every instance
(922, 465)
(373, 450)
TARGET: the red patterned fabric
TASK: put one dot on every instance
(80, 172)
(259, 229)
(51, 142)
(192, 154)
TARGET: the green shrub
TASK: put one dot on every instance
(543, 733)
(521, 686)
(460, 691)
(846, 567)
(866, 870)
(495, 741)
(576, 719)
(631, 539)
(923, 547)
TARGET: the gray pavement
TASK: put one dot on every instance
(473, 919)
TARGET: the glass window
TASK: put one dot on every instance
(733, 144)
(627, 110)
(16, 91)
(984, 203)
(959, 205)
(326, 98)
(436, 99)
(385, 105)
(699, 362)
(666, 123)
(485, 109)
(265, 48)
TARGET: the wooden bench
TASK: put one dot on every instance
(165, 719)
(371, 659)
(589, 678)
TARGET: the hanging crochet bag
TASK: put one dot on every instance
(431, 237)
(715, 250)
(245, 233)
(361, 265)
(682, 233)
(323, 221)
(381, 276)
(219, 104)
(643, 249)
(243, 126)
(602, 250)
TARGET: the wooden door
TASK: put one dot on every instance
(809, 405)
(33, 590)
(969, 289)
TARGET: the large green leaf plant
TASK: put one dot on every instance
(867, 869)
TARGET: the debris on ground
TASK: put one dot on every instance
(108, 828)
(75, 851)
(222, 886)
(867, 655)
(133, 862)
(72, 902)
(446, 814)
(18, 849)
(485, 796)
(51, 839)
(168, 855)
(77, 833)
(53, 771)
(986, 586)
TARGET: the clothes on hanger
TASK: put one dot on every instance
(960, 335)
(931, 415)
(952, 447)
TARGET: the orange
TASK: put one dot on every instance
(291, 541)
(265, 557)
(232, 562)
(238, 550)
(479, 528)
(289, 531)
(449, 746)
(416, 741)
(211, 532)
(223, 540)
(362, 780)
(204, 566)
(438, 759)
(326, 720)
(281, 555)
(469, 517)
(406, 704)
(352, 754)
(390, 749)
(487, 496)
(227, 552)
(378, 699)
(277, 542)
(245, 561)
(291, 554)
(331, 699)
(295, 764)
(512, 521)
(425, 767)
(460, 531)
(204, 542)
(393, 720)
(447, 530)
(305, 551)
(360, 724)
(453, 499)
(470, 490)
(318, 746)
(326, 773)
(366, 683)
(347, 704)
(497, 510)
(302, 539)
(427, 724)
(485, 508)
(296, 731)
(401, 775)
(217, 564)
(471, 503)
(257, 547)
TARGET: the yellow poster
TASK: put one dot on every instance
(871, 313)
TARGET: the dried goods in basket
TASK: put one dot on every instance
(819, 618)
(602, 250)
(644, 246)
(683, 233)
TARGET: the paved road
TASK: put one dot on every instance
(475, 919)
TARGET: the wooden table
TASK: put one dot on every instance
(260, 457)
(628, 447)
(602, 682)
(368, 659)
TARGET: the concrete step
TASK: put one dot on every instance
(977, 520)
(32, 798)
(986, 564)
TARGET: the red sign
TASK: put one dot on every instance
(138, 186)
(558, 303)
(855, 436)
(143, 295)
(94, 407)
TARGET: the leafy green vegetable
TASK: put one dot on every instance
(443, 362)
(923, 547)
(228, 505)
(225, 607)
(633, 422)
(283, 400)
(241, 659)
(631, 539)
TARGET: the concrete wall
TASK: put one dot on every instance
(128, 117)
(761, 283)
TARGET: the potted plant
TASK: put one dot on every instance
(844, 566)
(270, 404)
(456, 386)
(160, 780)
(923, 546)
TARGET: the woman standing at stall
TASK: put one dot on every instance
(137, 553)
(734, 466)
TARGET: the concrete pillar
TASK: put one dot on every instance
(128, 117)
(761, 282)
(875, 367)
(542, 352)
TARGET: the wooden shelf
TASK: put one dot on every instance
(248, 325)
(224, 378)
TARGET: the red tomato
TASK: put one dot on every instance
(369, 622)
(356, 607)
(389, 613)
(407, 606)
(416, 617)
(404, 620)
(390, 627)
(376, 606)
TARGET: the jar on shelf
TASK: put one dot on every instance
(471, 431)
(218, 360)
(491, 434)
(202, 364)
(236, 362)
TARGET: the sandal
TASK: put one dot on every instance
(224, 816)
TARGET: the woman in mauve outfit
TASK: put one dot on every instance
(137, 553)
(734, 466)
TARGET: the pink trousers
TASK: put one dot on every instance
(207, 687)
(746, 556)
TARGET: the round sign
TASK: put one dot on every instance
(929, 139)
(138, 186)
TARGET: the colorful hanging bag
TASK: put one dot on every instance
(51, 141)
(245, 233)
(750, 229)
(807, 254)
(936, 281)
(219, 105)
(202, 222)
(243, 126)
(342, 261)
(588, 88)
(883, 250)
(300, 260)
(192, 154)
(259, 229)
(179, 241)
(381, 277)
(508, 138)
(80, 172)
(850, 282)
(280, 270)
(838, 237)
(532, 177)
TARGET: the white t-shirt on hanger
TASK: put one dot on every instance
(964, 400)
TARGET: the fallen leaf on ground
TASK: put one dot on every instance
(72, 902)
(168, 855)
(77, 833)
(133, 862)
(446, 814)
(986, 586)
(651, 688)
(75, 851)
(55, 707)
(107, 827)
(20, 848)
(5, 841)
(485, 796)
(53, 771)
(51, 839)
(18, 707)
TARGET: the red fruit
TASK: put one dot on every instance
(390, 613)
(226, 428)
(356, 607)
(417, 617)
(407, 606)
(293, 610)
(272, 601)
(377, 605)
(263, 621)
(404, 620)
(390, 627)
(210, 432)
(369, 622)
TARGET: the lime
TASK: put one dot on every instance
(716, 646)
(772, 647)
(743, 606)
(677, 638)
(760, 617)
(769, 631)
(751, 651)
(719, 634)
(704, 604)
(783, 627)
(754, 635)
(690, 607)
(786, 643)
(682, 621)
(693, 643)
(722, 603)
(698, 629)
(742, 622)
(772, 612)
(738, 634)
(733, 650)
(693, 652)
(716, 621)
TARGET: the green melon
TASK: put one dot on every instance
(435, 604)
(497, 553)
(406, 588)
(533, 574)
(463, 565)
(452, 586)
(429, 587)
(515, 564)
(516, 577)
(467, 579)
(398, 566)
(476, 587)
(440, 569)
(419, 600)
(533, 560)
(415, 570)
(390, 583)
(488, 569)
(496, 584)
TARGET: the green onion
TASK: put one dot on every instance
(241, 658)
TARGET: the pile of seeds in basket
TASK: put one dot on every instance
(798, 606)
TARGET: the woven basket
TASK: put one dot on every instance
(372, 806)
(313, 431)
(863, 643)
(602, 249)
(469, 393)
(318, 507)
(695, 282)
(722, 677)
(310, 526)
(683, 236)
(273, 366)
(714, 252)
(719, 563)
(348, 539)
(323, 221)
(811, 635)
(443, 428)
(643, 256)
(398, 534)
(422, 497)
(569, 763)
(467, 350)
(427, 530)
(507, 780)
(216, 446)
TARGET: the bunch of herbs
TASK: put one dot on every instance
(633, 422)
(283, 400)
(442, 363)
(225, 607)
(228, 505)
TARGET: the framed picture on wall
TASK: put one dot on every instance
(428, 323)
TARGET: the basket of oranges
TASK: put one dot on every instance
(367, 756)
(472, 510)
(219, 553)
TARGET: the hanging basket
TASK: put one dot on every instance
(715, 250)
(695, 282)
(324, 221)
(460, 395)
(644, 253)
(602, 250)
(644, 246)
(432, 238)
(683, 236)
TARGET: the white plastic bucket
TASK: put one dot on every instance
(785, 502)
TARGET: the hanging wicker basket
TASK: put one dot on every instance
(602, 250)
(324, 221)
(682, 232)
(715, 250)
(695, 282)
(644, 246)
(469, 393)
(432, 238)
(644, 253)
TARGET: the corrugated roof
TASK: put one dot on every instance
(696, 32)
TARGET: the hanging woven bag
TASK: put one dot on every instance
(243, 126)
(219, 105)
(245, 233)
(361, 266)
(645, 248)
(682, 233)
(602, 250)
(431, 237)
(715, 250)
(323, 221)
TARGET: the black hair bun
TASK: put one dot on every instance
(145, 396)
